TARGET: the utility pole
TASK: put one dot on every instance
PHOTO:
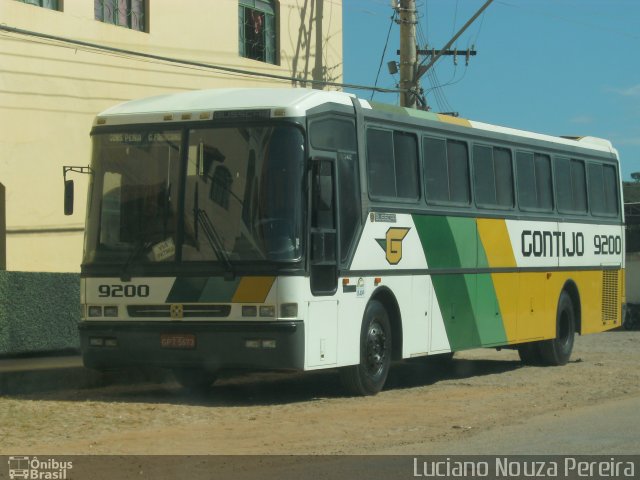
(410, 70)
(408, 52)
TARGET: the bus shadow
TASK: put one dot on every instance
(264, 389)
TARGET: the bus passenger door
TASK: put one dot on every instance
(323, 252)
(322, 317)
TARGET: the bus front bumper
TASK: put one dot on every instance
(276, 345)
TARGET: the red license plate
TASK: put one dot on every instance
(182, 340)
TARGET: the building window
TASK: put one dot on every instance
(257, 30)
(124, 13)
(50, 4)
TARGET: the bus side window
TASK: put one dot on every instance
(543, 181)
(571, 185)
(458, 160)
(405, 149)
(333, 134)
(446, 170)
(534, 181)
(579, 186)
(392, 162)
(382, 176)
(435, 169)
(603, 195)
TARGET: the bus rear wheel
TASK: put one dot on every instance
(195, 380)
(557, 351)
(529, 353)
(369, 376)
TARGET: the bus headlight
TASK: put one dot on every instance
(111, 311)
(289, 310)
(267, 311)
(249, 311)
(94, 311)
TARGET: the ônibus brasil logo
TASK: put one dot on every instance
(34, 469)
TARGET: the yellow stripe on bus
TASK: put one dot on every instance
(495, 240)
(253, 289)
(463, 122)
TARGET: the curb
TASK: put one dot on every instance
(50, 374)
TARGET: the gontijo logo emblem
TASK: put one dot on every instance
(392, 243)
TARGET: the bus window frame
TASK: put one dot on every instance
(570, 158)
(447, 203)
(496, 207)
(550, 211)
(396, 200)
(618, 191)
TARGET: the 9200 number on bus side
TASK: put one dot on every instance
(119, 291)
(607, 244)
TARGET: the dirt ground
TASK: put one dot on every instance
(422, 403)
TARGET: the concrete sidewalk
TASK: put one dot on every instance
(30, 364)
(37, 374)
(30, 375)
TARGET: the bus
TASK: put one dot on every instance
(297, 229)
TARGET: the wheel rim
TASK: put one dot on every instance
(376, 349)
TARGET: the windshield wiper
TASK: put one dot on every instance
(138, 248)
(202, 218)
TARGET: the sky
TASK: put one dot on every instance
(559, 67)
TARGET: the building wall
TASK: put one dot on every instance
(50, 93)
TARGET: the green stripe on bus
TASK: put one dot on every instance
(454, 299)
(202, 289)
(468, 303)
(487, 312)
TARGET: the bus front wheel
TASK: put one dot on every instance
(557, 351)
(369, 376)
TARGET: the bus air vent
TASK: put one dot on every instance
(188, 311)
(609, 295)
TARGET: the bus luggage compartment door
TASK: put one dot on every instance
(322, 333)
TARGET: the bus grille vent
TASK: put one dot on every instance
(609, 295)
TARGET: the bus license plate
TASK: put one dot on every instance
(185, 341)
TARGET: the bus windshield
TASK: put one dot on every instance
(240, 189)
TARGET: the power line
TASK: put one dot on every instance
(186, 63)
(384, 51)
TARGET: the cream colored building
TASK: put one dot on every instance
(51, 90)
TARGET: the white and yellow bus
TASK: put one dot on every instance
(300, 229)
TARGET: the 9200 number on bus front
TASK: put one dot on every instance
(128, 291)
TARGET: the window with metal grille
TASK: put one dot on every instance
(50, 4)
(124, 13)
(257, 30)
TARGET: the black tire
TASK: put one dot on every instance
(557, 351)
(530, 353)
(369, 376)
(194, 380)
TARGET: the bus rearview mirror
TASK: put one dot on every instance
(68, 197)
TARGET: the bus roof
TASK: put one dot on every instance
(291, 102)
